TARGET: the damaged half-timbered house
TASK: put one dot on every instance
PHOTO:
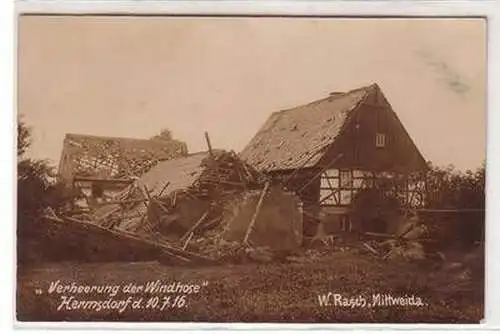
(328, 150)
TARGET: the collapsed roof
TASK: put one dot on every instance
(197, 175)
(114, 157)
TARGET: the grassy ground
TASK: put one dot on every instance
(275, 292)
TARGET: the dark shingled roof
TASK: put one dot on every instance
(294, 138)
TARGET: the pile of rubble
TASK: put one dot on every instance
(209, 206)
(258, 224)
(406, 244)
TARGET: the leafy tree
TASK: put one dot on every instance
(37, 190)
(372, 207)
(23, 138)
(449, 188)
(446, 188)
(165, 134)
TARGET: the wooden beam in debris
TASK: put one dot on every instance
(93, 179)
(371, 249)
(163, 189)
(130, 201)
(248, 176)
(102, 219)
(231, 183)
(147, 193)
(326, 167)
(152, 199)
(169, 255)
(212, 223)
(174, 200)
(186, 243)
(388, 254)
(256, 213)
(408, 229)
(209, 144)
(450, 210)
(143, 219)
(195, 226)
(160, 204)
(381, 235)
(166, 249)
(176, 251)
(113, 233)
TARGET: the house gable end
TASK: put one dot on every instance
(375, 139)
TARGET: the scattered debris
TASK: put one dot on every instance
(209, 206)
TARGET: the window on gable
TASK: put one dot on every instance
(380, 140)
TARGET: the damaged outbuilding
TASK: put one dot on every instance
(208, 202)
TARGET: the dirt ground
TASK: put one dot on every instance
(272, 292)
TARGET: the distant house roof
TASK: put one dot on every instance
(295, 137)
(114, 157)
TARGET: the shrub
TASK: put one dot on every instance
(37, 189)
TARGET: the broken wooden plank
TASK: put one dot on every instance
(152, 200)
(382, 235)
(231, 183)
(170, 255)
(187, 241)
(389, 253)
(256, 213)
(190, 255)
(53, 218)
(212, 223)
(130, 236)
(163, 189)
(146, 191)
(143, 219)
(93, 179)
(408, 229)
(108, 215)
(195, 226)
(207, 138)
(371, 249)
(160, 204)
(174, 199)
(457, 210)
(130, 201)
(246, 172)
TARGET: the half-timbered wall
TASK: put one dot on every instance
(338, 187)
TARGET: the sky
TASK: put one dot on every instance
(133, 76)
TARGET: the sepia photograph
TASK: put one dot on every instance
(250, 169)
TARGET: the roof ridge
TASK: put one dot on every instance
(303, 129)
(67, 135)
(334, 95)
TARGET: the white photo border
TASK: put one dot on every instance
(488, 9)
